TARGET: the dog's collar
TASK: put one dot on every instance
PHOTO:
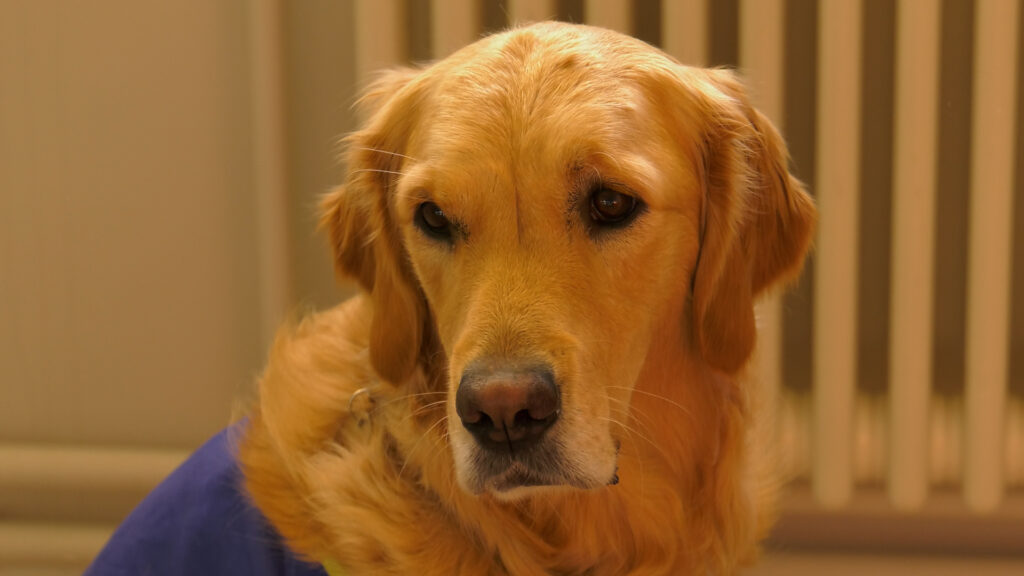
(361, 405)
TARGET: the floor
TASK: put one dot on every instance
(777, 564)
(844, 564)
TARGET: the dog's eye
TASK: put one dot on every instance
(608, 207)
(432, 220)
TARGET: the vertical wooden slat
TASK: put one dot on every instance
(914, 167)
(269, 176)
(523, 11)
(762, 28)
(380, 39)
(794, 435)
(835, 297)
(1014, 453)
(946, 438)
(611, 14)
(988, 264)
(454, 24)
(762, 57)
(684, 32)
(870, 437)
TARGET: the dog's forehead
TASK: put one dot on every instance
(546, 153)
(535, 109)
(541, 103)
(522, 83)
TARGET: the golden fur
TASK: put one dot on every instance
(648, 328)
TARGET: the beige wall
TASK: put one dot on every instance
(127, 295)
(321, 81)
(128, 221)
(130, 229)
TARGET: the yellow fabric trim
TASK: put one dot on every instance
(333, 568)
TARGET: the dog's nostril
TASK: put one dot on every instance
(482, 422)
(542, 405)
(502, 408)
(523, 418)
(469, 416)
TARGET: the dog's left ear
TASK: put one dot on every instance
(757, 221)
(367, 244)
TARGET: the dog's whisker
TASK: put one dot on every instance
(627, 413)
(378, 150)
(684, 409)
(411, 396)
(630, 413)
(421, 410)
(629, 410)
(635, 414)
(425, 435)
(631, 435)
(377, 170)
(430, 405)
(639, 435)
(415, 394)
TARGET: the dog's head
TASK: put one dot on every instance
(544, 209)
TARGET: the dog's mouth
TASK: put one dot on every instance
(519, 476)
(510, 475)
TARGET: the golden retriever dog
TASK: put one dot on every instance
(559, 233)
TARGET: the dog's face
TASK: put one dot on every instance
(550, 205)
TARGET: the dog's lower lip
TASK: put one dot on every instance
(517, 476)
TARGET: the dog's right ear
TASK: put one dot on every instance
(366, 242)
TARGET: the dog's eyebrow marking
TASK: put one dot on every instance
(581, 183)
(610, 157)
(575, 192)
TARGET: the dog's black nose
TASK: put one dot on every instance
(507, 409)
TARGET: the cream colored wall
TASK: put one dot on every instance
(133, 214)
(128, 297)
(128, 219)
(321, 84)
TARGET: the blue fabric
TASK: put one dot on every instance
(197, 522)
